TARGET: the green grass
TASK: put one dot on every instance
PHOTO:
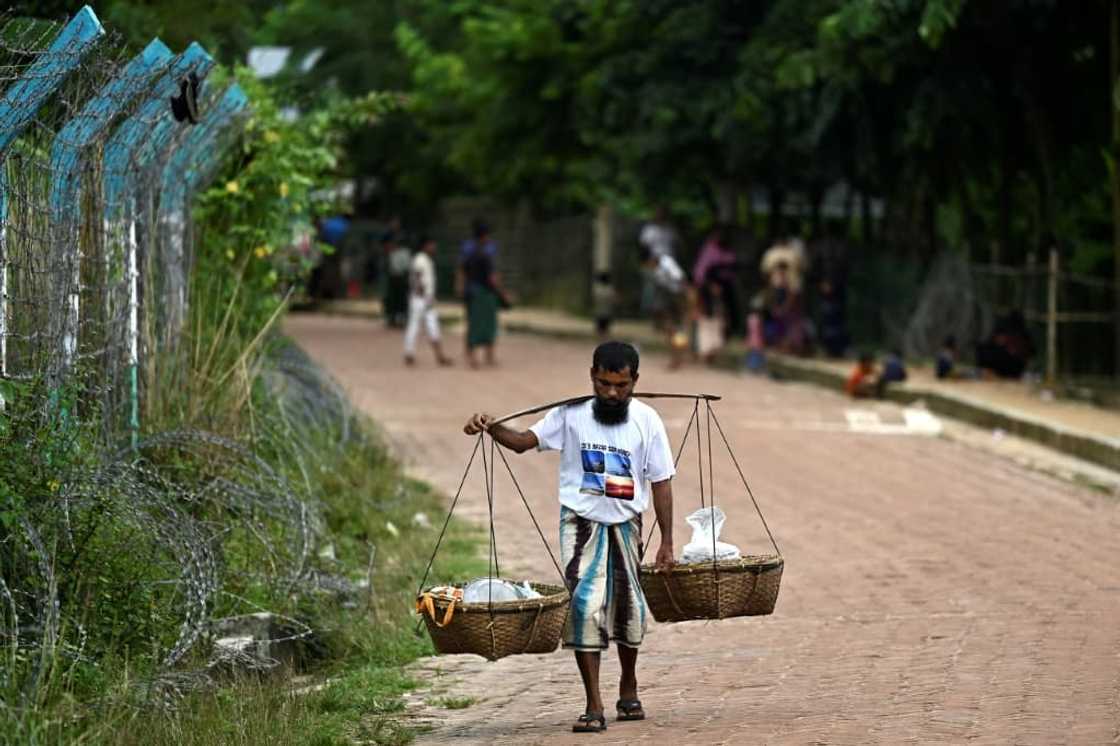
(453, 703)
(351, 691)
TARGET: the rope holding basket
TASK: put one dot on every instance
(744, 587)
(747, 586)
(493, 629)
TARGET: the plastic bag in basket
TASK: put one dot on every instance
(497, 590)
(706, 524)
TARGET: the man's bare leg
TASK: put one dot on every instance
(440, 357)
(589, 671)
(628, 681)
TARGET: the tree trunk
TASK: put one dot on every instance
(816, 198)
(727, 202)
(866, 220)
(1114, 171)
(1001, 249)
(776, 226)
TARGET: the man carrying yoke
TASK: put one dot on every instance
(615, 454)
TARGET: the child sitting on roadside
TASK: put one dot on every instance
(863, 381)
(946, 358)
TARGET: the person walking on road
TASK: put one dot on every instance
(398, 259)
(479, 282)
(671, 305)
(422, 304)
(614, 455)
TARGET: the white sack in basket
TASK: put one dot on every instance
(703, 540)
(497, 590)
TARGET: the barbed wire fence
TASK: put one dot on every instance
(97, 175)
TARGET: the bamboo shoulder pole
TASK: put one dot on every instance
(581, 399)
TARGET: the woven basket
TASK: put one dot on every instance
(531, 625)
(744, 587)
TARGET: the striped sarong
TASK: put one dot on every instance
(601, 566)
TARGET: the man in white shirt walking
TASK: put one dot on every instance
(658, 235)
(422, 303)
(670, 304)
(615, 456)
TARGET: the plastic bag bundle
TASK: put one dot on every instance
(484, 590)
(706, 524)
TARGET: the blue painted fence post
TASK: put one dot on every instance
(18, 107)
(176, 186)
(131, 146)
(68, 156)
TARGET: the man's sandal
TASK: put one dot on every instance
(590, 722)
(630, 709)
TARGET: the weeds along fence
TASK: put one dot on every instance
(114, 536)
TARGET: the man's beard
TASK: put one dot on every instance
(610, 412)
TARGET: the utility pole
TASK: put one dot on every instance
(1114, 172)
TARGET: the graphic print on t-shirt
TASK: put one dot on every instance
(606, 471)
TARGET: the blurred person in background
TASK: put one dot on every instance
(658, 238)
(670, 302)
(716, 278)
(863, 381)
(422, 304)
(398, 259)
(1005, 353)
(604, 297)
(479, 286)
(831, 322)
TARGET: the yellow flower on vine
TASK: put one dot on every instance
(262, 251)
(233, 187)
(53, 485)
(284, 189)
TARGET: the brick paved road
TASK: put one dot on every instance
(932, 592)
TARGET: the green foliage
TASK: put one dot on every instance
(117, 579)
(272, 187)
(254, 239)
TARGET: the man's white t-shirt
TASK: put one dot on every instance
(657, 238)
(668, 274)
(606, 470)
(422, 277)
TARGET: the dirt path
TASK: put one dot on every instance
(932, 592)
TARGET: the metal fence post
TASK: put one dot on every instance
(184, 168)
(1052, 318)
(18, 107)
(135, 142)
(67, 160)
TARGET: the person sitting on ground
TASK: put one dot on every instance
(614, 455)
(946, 358)
(1006, 352)
(894, 371)
(894, 368)
(863, 381)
